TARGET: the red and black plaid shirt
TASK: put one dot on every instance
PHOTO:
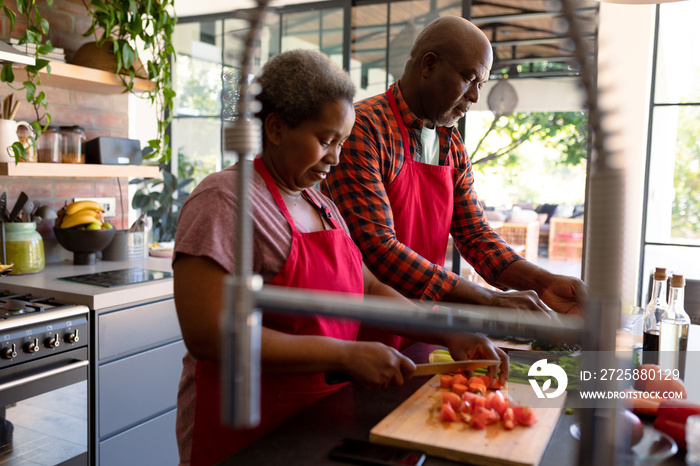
(371, 159)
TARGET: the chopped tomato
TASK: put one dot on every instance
(466, 417)
(524, 415)
(497, 402)
(452, 399)
(458, 388)
(479, 402)
(446, 381)
(509, 419)
(486, 380)
(470, 397)
(481, 417)
(465, 407)
(448, 414)
(460, 379)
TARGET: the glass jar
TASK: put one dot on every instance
(24, 248)
(73, 140)
(48, 146)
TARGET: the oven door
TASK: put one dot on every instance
(44, 411)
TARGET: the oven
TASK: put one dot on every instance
(43, 381)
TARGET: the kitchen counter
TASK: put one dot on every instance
(353, 411)
(47, 282)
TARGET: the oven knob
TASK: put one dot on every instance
(72, 337)
(9, 353)
(32, 347)
(52, 342)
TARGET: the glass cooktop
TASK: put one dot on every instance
(120, 277)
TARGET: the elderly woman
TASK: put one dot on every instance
(300, 241)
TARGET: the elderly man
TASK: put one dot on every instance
(405, 182)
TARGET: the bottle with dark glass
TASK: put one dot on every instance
(673, 329)
(654, 311)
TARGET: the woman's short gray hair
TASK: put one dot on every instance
(297, 84)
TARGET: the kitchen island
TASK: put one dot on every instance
(354, 411)
(135, 351)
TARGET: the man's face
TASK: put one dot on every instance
(454, 83)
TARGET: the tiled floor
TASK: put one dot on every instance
(48, 429)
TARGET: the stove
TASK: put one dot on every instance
(43, 363)
(33, 328)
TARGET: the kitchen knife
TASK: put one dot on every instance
(19, 205)
(424, 369)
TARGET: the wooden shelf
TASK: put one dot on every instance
(77, 170)
(80, 78)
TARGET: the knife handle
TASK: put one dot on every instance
(334, 378)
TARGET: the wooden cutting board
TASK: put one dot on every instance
(415, 424)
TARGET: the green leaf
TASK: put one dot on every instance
(10, 15)
(100, 7)
(127, 56)
(44, 25)
(6, 75)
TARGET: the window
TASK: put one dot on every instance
(672, 212)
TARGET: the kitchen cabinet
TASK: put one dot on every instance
(135, 354)
(139, 360)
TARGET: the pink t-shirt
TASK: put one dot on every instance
(206, 227)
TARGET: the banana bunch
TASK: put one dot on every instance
(80, 213)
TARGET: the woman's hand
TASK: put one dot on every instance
(375, 365)
(477, 346)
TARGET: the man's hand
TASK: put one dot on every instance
(565, 295)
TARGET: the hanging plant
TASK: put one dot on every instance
(36, 32)
(121, 26)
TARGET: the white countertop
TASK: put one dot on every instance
(47, 283)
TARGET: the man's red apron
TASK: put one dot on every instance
(422, 201)
(323, 260)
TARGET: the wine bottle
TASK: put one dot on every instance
(654, 311)
(673, 329)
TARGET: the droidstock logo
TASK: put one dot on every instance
(544, 369)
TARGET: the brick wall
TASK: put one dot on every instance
(98, 114)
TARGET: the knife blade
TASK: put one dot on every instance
(447, 367)
(424, 369)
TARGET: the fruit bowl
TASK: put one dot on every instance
(84, 243)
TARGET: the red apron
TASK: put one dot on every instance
(323, 260)
(422, 201)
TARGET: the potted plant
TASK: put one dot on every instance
(36, 31)
(162, 199)
(121, 26)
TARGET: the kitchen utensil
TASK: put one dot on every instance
(32, 213)
(4, 216)
(13, 112)
(424, 369)
(447, 367)
(19, 205)
(27, 211)
(415, 424)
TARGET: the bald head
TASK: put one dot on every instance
(449, 63)
(447, 36)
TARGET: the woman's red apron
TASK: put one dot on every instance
(323, 260)
(422, 201)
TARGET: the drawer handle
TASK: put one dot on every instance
(43, 375)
